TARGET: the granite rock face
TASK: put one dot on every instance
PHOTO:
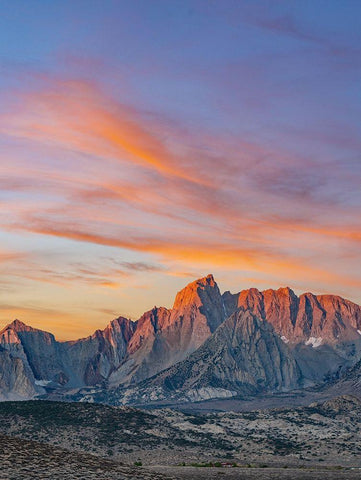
(38, 349)
(217, 345)
(82, 362)
(323, 331)
(91, 360)
(164, 337)
(16, 378)
(125, 351)
(325, 319)
(243, 356)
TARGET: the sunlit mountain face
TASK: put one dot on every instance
(208, 345)
(143, 144)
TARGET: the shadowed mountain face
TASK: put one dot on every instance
(125, 351)
(16, 378)
(83, 362)
(91, 360)
(323, 331)
(215, 344)
(350, 381)
(244, 356)
(164, 337)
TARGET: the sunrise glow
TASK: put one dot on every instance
(208, 142)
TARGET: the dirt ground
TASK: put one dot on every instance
(204, 473)
(25, 460)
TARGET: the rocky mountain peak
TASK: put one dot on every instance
(251, 299)
(243, 356)
(248, 342)
(164, 337)
(120, 326)
(309, 319)
(201, 303)
(207, 280)
(190, 293)
(18, 326)
(286, 291)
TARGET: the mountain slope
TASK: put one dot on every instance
(92, 359)
(324, 331)
(125, 351)
(243, 356)
(317, 319)
(37, 349)
(17, 381)
(315, 335)
(83, 362)
(164, 337)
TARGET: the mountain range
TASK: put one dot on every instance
(209, 345)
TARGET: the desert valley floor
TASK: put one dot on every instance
(58, 440)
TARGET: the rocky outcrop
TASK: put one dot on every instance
(38, 349)
(348, 381)
(312, 319)
(247, 342)
(324, 331)
(86, 361)
(244, 356)
(199, 306)
(147, 351)
(16, 378)
(91, 360)
(164, 337)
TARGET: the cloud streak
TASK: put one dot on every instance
(102, 173)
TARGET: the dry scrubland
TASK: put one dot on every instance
(84, 441)
(25, 460)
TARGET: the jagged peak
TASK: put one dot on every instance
(153, 312)
(154, 318)
(187, 293)
(18, 326)
(286, 291)
(308, 294)
(329, 297)
(120, 321)
(250, 292)
(207, 280)
(119, 324)
(337, 298)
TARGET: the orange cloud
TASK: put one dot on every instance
(211, 253)
(76, 115)
(114, 176)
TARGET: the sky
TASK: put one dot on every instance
(147, 143)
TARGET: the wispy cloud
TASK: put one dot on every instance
(99, 172)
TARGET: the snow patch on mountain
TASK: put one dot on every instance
(314, 341)
(42, 383)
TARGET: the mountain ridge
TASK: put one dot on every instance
(317, 334)
(10, 325)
